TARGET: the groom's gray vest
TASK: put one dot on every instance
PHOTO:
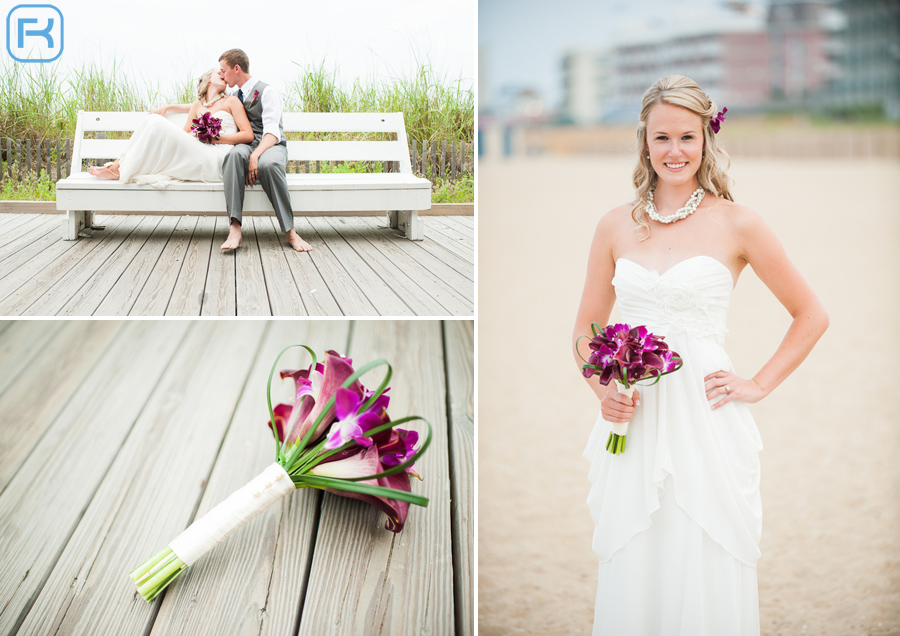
(254, 113)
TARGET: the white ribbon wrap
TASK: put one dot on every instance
(243, 505)
(621, 428)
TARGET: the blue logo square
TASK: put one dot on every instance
(34, 33)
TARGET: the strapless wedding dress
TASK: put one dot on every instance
(678, 514)
(160, 152)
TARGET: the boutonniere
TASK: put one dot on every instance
(254, 100)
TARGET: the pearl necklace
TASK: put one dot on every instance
(688, 209)
(208, 104)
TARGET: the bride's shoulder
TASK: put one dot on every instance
(618, 215)
(737, 214)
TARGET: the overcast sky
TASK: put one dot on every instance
(522, 42)
(163, 41)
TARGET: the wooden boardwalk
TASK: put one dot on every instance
(114, 435)
(172, 266)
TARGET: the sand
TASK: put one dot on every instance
(831, 473)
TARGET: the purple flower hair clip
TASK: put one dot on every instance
(717, 121)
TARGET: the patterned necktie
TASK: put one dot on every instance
(241, 95)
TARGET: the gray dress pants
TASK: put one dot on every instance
(270, 175)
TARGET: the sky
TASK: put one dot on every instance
(163, 42)
(521, 42)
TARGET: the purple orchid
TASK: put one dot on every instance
(717, 121)
(206, 127)
(628, 355)
(351, 423)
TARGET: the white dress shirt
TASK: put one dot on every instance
(271, 103)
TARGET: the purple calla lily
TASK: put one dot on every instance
(351, 424)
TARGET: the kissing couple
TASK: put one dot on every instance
(239, 140)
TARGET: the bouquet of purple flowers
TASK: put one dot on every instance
(334, 435)
(206, 127)
(627, 355)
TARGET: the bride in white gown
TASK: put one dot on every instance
(160, 152)
(678, 514)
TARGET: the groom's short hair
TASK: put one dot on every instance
(236, 57)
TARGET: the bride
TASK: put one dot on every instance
(678, 513)
(159, 151)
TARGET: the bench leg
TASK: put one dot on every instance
(393, 219)
(410, 224)
(73, 224)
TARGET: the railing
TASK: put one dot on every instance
(438, 161)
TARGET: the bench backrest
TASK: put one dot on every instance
(389, 123)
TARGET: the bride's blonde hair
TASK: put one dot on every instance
(682, 91)
(203, 84)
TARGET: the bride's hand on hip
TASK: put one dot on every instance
(731, 387)
(618, 408)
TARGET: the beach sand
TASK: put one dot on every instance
(831, 476)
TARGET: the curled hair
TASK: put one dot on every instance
(236, 57)
(682, 91)
(203, 85)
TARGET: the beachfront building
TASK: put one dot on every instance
(866, 56)
(586, 79)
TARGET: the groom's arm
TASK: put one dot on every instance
(272, 108)
(267, 142)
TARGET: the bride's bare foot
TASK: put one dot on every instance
(296, 242)
(234, 238)
(109, 171)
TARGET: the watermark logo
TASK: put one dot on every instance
(34, 33)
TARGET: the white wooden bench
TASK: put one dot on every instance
(400, 194)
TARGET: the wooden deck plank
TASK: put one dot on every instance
(219, 297)
(439, 262)
(43, 503)
(459, 344)
(73, 278)
(51, 241)
(55, 374)
(152, 488)
(20, 342)
(125, 291)
(156, 292)
(22, 286)
(347, 294)
(95, 289)
(19, 238)
(187, 296)
(284, 296)
(251, 295)
(449, 240)
(377, 291)
(10, 218)
(422, 296)
(365, 579)
(251, 583)
(317, 298)
(449, 227)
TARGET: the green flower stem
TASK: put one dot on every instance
(152, 576)
(149, 564)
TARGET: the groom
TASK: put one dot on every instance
(263, 160)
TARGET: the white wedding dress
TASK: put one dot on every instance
(678, 514)
(159, 152)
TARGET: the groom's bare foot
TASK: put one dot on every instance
(234, 238)
(109, 171)
(296, 242)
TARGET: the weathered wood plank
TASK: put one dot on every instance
(154, 296)
(251, 583)
(383, 298)
(85, 301)
(317, 298)
(23, 234)
(419, 294)
(462, 243)
(219, 298)
(21, 286)
(65, 286)
(365, 579)
(349, 297)
(126, 289)
(187, 297)
(439, 262)
(45, 243)
(459, 347)
(284, 297)
(20, 342)
(152, 488)
(11, 253)
(41, 390)
(43, 503)
(250, 285)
